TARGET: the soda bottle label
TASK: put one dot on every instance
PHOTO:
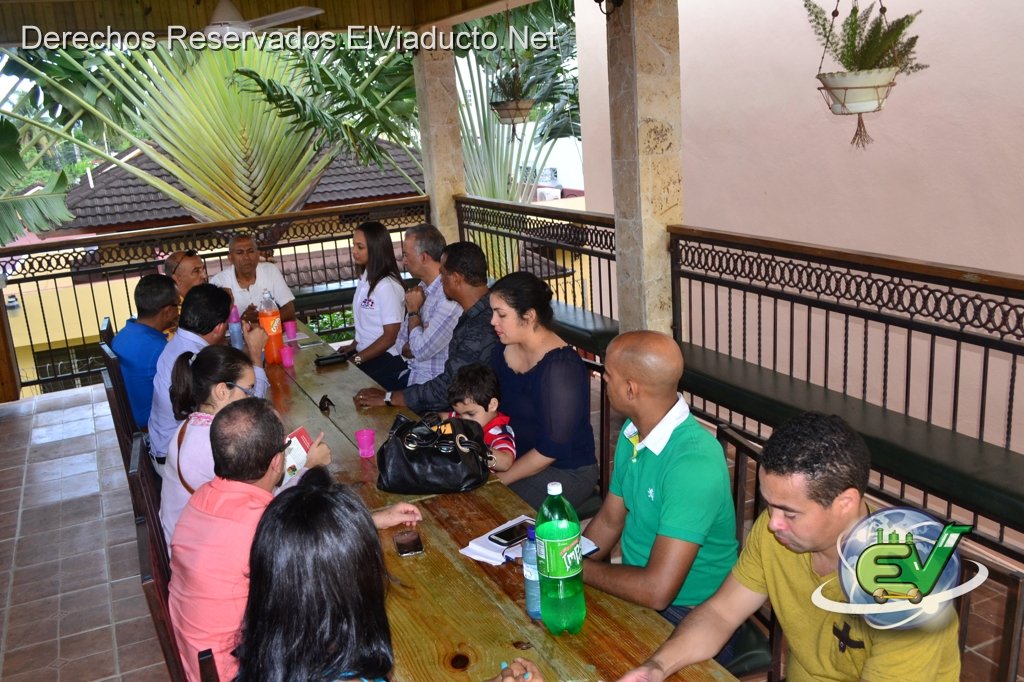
(272, 325)
(559, 558)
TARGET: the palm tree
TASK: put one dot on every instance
(34, 211)
(192, 113)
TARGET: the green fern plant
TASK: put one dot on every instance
(508, 85)
(862, 42)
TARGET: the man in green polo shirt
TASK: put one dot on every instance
(670, 501)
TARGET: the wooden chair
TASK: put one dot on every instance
(1007, 655)
(760, 645)
(120, 408)
(134, 490)
(154, 564)
(144, 485)
(107, 331)
(207, 667)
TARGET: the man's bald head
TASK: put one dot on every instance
(652, 359)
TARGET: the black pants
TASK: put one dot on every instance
(390, 371)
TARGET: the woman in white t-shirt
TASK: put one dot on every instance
(379, 303)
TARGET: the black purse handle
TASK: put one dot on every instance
(424, 435)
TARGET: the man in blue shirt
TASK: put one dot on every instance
(139, 344)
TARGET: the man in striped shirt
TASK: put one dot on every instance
(421, 348)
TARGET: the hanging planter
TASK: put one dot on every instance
(872, 51)
(856, 92)
(513, 111)
(508, 96)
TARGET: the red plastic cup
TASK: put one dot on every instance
(287, 356)
(364, 439)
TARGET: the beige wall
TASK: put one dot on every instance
(762, 155)
(944, 179)
(592, 55)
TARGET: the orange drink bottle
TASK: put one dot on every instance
(270, 320)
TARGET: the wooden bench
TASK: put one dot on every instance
(333, 294)
(981, 477)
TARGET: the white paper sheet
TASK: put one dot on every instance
(482, 549)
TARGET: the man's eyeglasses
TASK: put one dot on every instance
(191, 253)
(286, 444)
(249, 392)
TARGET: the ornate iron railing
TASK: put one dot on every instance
(573, 250)
(62, 290)
(937, 343)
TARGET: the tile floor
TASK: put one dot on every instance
(71, 606)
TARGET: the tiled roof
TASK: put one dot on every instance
(120, 200)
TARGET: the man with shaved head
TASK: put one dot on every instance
(669, 503)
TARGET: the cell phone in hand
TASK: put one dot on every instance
(511, 535)
(408, 543)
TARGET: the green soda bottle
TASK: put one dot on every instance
(560, 564)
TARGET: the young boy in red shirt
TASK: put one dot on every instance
(473, 395)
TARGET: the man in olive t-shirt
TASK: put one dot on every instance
(814, 470)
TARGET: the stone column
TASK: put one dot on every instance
(644, 97)
(438, 100)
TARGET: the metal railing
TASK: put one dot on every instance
(940, 344)
(574, 251)
(62, 290)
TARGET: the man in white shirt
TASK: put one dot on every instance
(248, 278)
(203, 322)
(421, 349)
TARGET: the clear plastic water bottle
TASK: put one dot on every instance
(235, 329)
(270, 320)
(560, 564)
(530, 579)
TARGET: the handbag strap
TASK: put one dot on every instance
(181, 439)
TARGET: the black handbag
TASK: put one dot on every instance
(432, 456)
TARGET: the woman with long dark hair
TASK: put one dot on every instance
(316, 589)
(379, 303)
(317, 585)
(545, 391)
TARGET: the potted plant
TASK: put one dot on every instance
(508, 96)
(871, 50)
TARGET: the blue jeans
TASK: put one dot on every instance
(675, 615)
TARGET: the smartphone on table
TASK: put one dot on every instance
(511, 535)
(408, 543)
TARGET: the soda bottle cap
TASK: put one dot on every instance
(531, 533)
(234, 316)
(554, 488)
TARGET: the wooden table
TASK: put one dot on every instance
(452, 617)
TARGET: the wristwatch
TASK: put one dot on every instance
(414, 313)
(357, 360)
(387, 398)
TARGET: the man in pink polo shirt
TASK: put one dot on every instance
(211, 543)
(210, 547)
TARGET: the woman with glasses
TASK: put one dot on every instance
(202, 384)
(379, 303)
